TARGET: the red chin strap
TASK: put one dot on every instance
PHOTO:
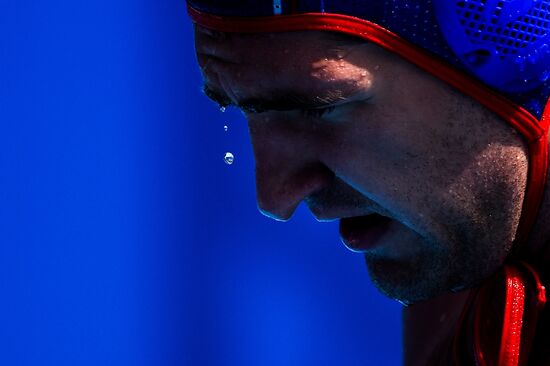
(534, 131)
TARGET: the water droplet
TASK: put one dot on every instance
(222, 108)
(225, 128)
(228, 158)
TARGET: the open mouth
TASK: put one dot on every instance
(362, 233)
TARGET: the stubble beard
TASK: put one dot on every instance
(432, 271)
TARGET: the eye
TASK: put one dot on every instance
(317, 112)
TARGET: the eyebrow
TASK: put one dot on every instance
(281, 100)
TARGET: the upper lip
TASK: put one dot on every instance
(331, 216)
(326, 205)
(340, 200)
(325, 211)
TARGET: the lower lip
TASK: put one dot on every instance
(362, 233)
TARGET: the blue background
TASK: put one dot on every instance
(125, 239)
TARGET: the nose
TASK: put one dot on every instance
(288, 168)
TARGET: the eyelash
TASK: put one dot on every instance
(317, 112)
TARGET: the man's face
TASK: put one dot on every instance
(426, 183)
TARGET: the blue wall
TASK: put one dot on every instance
(125, 239)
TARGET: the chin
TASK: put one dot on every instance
(411, 269)
(403, 282)
(423, 277)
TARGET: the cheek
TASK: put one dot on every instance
(491, 188)
(445, 180)
(380, 150)
(384, 164)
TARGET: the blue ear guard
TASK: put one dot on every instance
(503, 43)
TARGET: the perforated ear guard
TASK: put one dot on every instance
(505, 43)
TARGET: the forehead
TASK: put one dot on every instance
(243, 64)
(253, 47)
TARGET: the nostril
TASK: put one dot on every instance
(275, 214)
(279, 194)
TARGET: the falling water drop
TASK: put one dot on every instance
(225, 128)
(228, 158)
(222, 108)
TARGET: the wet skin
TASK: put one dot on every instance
(353, 130)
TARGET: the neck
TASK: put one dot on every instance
(429, 326)
(538, 246)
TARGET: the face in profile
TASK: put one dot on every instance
(426, 183)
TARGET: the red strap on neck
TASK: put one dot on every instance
(517, 330)
(512, 326)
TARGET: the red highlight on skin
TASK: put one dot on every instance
(362, 233)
